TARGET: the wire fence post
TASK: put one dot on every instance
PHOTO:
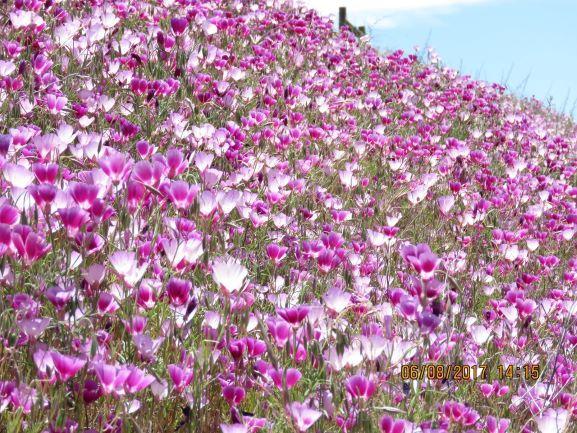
(342, 16)
(358, 31)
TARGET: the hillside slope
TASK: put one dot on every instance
(224, 215)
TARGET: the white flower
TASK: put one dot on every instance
(552, 421)
(125, 263)
(229, 274)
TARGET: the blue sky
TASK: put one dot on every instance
(528, 45)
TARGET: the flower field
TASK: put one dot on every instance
(225, 216)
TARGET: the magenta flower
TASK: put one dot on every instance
(59, 296)
(146, 294)
(422, 260)
(45, 173)
(84, 194)
(176, 162)
(9, 215)
(234, 395)
(106, 304)
(280, 331)
(390, 425)
(178, 25)
(181, 194)
(29, 245)
(497, 426)
(178, 291)
(237, 348)
(116, 165)
(276, 253)
(73, 219)
(459, 413)
(137, 380)
(255, 347)
(91, 391)
(43, 194)
(295, 315)
(282, 378)
(358, 386)
(181, 376)
(55, 104)
(328, 260)
(66, 366)
(111, 378)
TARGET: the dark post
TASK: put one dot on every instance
(342, 16)
(360, 31)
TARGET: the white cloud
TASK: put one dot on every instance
(387, 13)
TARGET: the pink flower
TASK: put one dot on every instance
(446, 203)
(146, 346)
(116, 165)
(59, 296)
(288, 377)
(276, 253)
(181, 194)
(181, 376)
(17, 175)
(234, 428)
(337, 300)
(137, 380)
(33, 328)
(209, 28)
(497, 426)
(390, 425)
(422, 259)
(29, 246)
(294, 315)
(178, 291)
(55, 103)
(178, 25)
(106, 304)
(84, 194)
(126, 265)
(234, 395)
(303, 416)
(66, 366)
(376, 239)
(45, 364)
(111, 378)
(553, 420)
(358, 386)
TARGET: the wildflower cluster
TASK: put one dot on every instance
(226, 215)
